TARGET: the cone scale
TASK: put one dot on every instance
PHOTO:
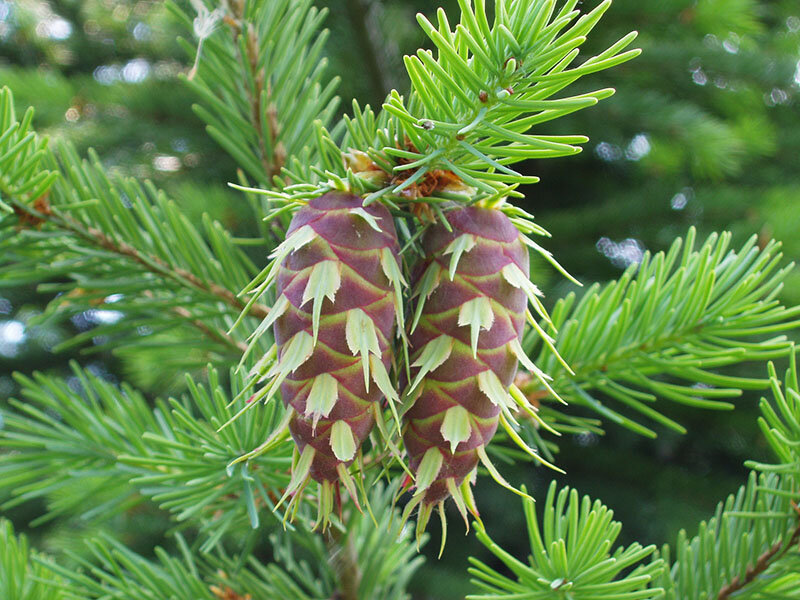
(337, 281)
(465, 339)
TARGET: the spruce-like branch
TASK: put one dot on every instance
(385, 569)
(113, 571)
(111, 236)
(747, 546)
(749, 533)
(260, 78)
(767, 559)
(666, 328)
(151, 262)
(21, 156)
(117, 447)
(570, 555)
(471, 107)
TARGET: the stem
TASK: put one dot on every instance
(151, 263)
(156, 265)
(776, 552)
(343, 559)
(627, 355)
(211, 332)
(272, 164)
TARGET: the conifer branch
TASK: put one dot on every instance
(767, 558)
(747, 537)
(471, 108)
(52, 215)
(750, 534)
(104, 439)
(679, 315)
(266, 125)
(742, 547)
(22, 574)
(22, 154)
(41, 213)
(261, 85)
(112, 236)
(107, 568)
(576, 560)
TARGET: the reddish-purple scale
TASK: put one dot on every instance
(455, 382)
(349, 239)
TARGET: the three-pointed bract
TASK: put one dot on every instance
(465, 337)
(339, 304)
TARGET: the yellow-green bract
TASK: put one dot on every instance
(473, 290)
(338, 284)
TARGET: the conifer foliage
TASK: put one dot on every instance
(368, 366)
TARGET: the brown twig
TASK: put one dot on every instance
(220, 336)
(157, 265)
(226, 593)
(151, 263)
(272, 164)
(778, 550)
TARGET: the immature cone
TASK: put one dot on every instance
(472, 294)
(338, 287)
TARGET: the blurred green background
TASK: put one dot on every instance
(704, 130)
